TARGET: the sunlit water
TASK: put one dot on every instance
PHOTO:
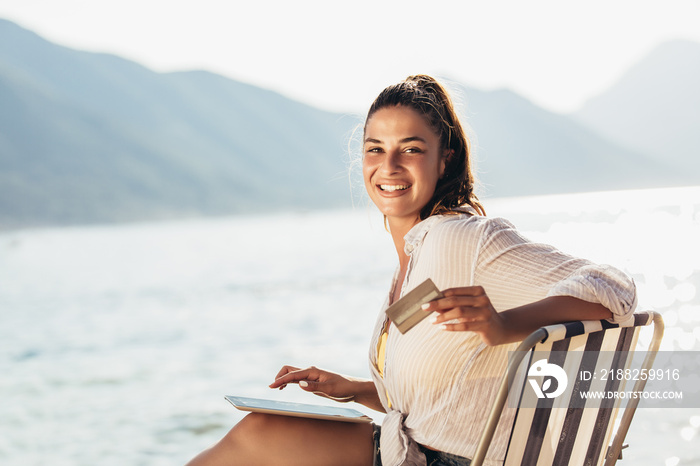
(118, 343)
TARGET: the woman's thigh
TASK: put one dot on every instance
(283, 440)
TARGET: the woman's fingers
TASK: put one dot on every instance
(322, 388)
(460, 314)
(286, 370)
(291, 374)
(317, 381)
(464, 291)
(467, 303)
(463, 308)
(470, 296)
(468, 308)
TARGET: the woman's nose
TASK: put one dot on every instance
(391, 162)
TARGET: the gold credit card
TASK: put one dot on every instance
(406, 312)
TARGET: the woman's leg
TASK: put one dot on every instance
(262, 439)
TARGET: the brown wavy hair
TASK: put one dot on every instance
(429, 98)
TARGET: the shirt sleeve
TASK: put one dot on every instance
(517, 271)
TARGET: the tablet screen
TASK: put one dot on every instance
(287, 408)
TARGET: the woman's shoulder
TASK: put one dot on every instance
(452, 233)
(451, 229)
(465, 223)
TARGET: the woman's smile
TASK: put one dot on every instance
(391, 188)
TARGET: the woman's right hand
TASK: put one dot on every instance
(318, 381)
(329, 385)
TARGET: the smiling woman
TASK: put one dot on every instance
(416, 159)
(436, 381)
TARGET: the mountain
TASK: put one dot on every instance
(88, 137)
(655, 106)
(522, 149)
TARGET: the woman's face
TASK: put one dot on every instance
(402, 162)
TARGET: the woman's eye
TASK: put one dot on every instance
(413, 150)
(374, 150)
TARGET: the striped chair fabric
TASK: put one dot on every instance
(569, 430)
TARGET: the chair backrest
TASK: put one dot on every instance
(554, 426)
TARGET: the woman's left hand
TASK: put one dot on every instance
(468, 309)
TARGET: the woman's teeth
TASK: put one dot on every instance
(390, 188)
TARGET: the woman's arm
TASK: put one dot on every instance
(515, 271)
(523, 320)
(330, 385)
(531, 284)
(470, 309)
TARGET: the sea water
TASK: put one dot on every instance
(118, 343)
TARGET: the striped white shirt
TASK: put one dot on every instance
(442, 384)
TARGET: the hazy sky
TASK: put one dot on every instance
(338, 55)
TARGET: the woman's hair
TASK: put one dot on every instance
(429, 98)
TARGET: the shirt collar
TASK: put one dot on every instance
(416, 235)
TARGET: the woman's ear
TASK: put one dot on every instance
(446, 156)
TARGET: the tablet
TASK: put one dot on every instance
(286, 408)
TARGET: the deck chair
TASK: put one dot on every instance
(566, 430)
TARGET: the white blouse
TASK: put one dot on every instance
(442, 384)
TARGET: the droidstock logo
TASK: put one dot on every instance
(552, 377)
